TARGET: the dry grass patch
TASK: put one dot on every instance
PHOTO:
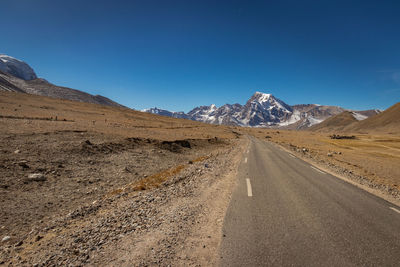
(156, 179)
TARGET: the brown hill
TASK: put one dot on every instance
(335, 123)
(44, 88)
(386, 122)
(46, 114)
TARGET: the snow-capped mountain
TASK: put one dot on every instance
(163, 112)
(17, 68)
(262, 110)
(202, 113)
(17, 76)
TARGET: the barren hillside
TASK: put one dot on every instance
(335, 123)
(37, 86)
(77, 179)
(386, 122)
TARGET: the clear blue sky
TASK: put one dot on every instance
(180, 54)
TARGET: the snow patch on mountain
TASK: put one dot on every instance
(312, 121)
(359, 116)
(16, 68)
(295, 117)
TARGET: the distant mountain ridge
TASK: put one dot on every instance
(387, 121)
(162, 112)
(18, 76)
(262, 110)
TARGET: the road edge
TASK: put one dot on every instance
(376, 192)
(203, 245)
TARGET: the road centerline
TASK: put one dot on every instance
(249, 190)
(245, 160)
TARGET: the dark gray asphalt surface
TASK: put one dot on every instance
(298, 216)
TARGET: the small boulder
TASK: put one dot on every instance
(36, 177)
(6, 238)
(4, 186)
(23, 164)
(87, 142)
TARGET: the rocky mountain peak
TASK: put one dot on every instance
(261, 97)
(269, 102)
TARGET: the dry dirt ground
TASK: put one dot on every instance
(88, 184)
(370, 160)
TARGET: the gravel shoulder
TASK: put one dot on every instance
(189, 222)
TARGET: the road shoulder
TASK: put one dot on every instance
(337, 172)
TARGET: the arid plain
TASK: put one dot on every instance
(79, 180)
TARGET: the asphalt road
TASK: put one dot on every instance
(284, 212)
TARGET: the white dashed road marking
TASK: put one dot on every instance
(249, 191)
(396, 210)
(245, 160)
(317, 170)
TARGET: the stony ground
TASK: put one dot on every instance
(85, 184)
(46, 227)
(104, 200)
